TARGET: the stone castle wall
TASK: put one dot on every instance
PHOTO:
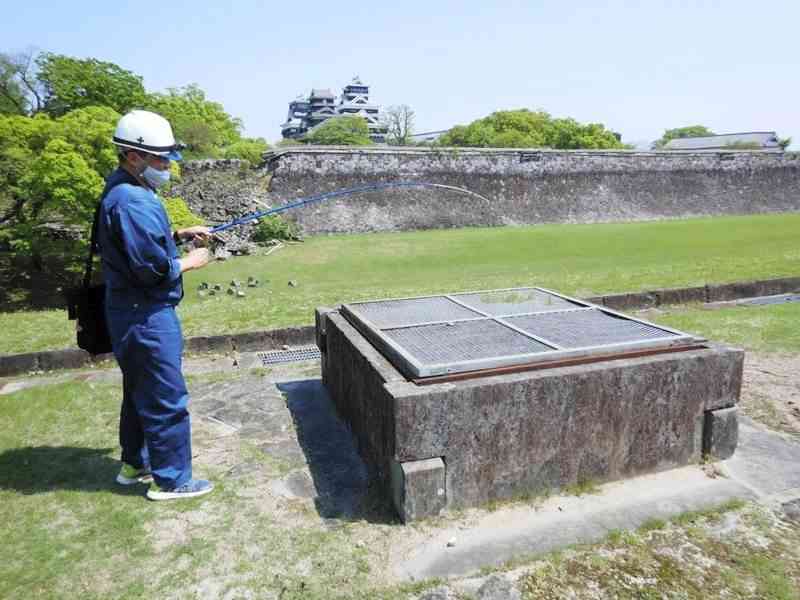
(521, 186)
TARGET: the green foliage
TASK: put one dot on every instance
(57, 118)
(12, 95)
(50, 167)
(179, 213)
(90, 130)
(785, 142)
(289, 143)
(28, 144)
(51, 174)
(72, 83)
(345, 130)
(529, 129)
(61, 184)
(203, 125)
(683, 132)
(20, 92)
(273, 227)
(250, 149)
(569, 134)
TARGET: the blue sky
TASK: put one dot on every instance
(638, 67)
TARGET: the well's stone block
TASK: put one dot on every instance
(721, 433)
(630, 301)
(18, 363)
(681, 295)
(506, 435)
(418, 488)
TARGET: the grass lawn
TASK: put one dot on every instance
(69, 532)
(574, 259)
(761, 328)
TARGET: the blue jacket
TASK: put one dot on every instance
(139, 256)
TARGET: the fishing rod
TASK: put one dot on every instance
(255, 216)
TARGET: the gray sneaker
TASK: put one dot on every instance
(191, 489)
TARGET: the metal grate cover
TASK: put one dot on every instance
(470, 331)
(514, 302)
(274, 357)
(414, 311)
(585, 328)
(464, 340)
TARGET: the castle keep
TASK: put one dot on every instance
(306, 113)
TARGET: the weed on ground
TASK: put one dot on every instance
(737, 551)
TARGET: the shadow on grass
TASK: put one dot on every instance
(38, 282)
(41, 469)
(343, 483)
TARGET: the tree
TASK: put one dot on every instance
(31, 147)
(399, 121)
(682, 132)
(203, 125)
(12, 98)
(21, 140)
(180, 215)
(530, 129)
(345, 130)
(56, 84)
(785, 142)
(289, 142)
(21, 92)
(61, 184)
(57, 118)
(250, 149)
(71, 83)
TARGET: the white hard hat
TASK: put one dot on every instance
(146, 131)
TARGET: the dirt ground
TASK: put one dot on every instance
(771, 390)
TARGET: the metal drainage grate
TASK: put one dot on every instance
(274, 357)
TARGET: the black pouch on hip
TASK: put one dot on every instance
(86, 305)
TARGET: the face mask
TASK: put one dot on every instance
(155, 178)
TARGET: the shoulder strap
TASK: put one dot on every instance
(87, 275)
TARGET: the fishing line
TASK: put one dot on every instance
(255, 216)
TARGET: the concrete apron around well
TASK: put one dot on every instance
(763, 468)
(465, 443)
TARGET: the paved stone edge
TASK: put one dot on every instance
(251, 341)
(701, 294)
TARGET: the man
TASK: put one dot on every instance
(142, 270)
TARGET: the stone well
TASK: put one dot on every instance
(459, 434)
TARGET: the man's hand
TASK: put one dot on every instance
(199, 234)
(196, 259)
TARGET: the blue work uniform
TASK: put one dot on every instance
(143, 287)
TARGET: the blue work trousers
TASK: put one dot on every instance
(154, 424)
